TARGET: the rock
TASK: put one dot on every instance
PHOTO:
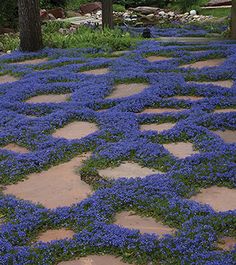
(162, 13)
(193, 12)
(57, 12)
(51, 17)
(146, 10)
(219, 3)
(90, 7)
(44, 14)
(150, 16)
(6, 30)
(171, 14)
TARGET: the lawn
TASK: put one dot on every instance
(151, 133)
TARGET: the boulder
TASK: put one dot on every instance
(44, 14)
(193, 12)
(90, 7)
(219, 3)
(145, 10)
(57, 12)
(6, 30)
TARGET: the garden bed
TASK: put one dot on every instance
(171, 137)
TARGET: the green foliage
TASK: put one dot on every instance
(75, 4)
(54, 26)
(83, 38)
(216, 12)
(187, 5)
(86, 37)
(9, 42)
(8, 13)
(118, 8)
(128, 3)
(52, 3)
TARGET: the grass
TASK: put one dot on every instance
(216, 12)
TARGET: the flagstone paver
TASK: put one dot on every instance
(143, 224)
(181, 149)
(157, 127)
(57, 187)
(224, 110)
(76, 130)
(219, 198)
(16, 148)
(7, 79)
(95, 260)
(160, 110)
(33, 61)
(221, 83)
(155, 58)
(125, 90)
(192, 98)
(228, 136)
(128, 170)
(98, 71)
(51, 98)
(55, 234)
(207, 63)
(227, 243)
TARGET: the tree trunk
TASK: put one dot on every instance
(233, 20)
(107, 14)
(30, 25)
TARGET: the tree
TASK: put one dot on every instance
(107, 14)
(233, 20)
(30, 25)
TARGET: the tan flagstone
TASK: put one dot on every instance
(50, 98)
(228, 136)
(143, 224)
(75, 130)
(56, 187)
(128, 170)
(181, 149)
(206, 63)
(125, 90)
(219, 198)
(7, 79)
(16, 148)
(98, 71)
(55, 234)
(95, 260)
(157, 127)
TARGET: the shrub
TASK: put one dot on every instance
(118, 8)
(133, 3)
(8, 13)
(187, 5)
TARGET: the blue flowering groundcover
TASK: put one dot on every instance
(165, 197)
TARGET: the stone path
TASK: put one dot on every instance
(76, 130)
(97, 71)
(57, 187)
(187, 39)
(125, 90)
(61, 185)
(128, 170)
(95, 260)
(206, 63)
(143, 224)
(49, 98)
(219, 198)
(7, 79)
